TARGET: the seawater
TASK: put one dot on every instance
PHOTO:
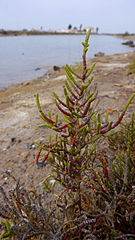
(21, 55)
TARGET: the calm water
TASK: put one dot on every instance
(20, 56)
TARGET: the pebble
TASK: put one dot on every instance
(56, 68)
(1, 171)
(24, 154)
(22, 169)
(41, 164)
(99, 54)
(13, 140)
(25, 147)
(6, 148)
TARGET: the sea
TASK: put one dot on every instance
(23, 58)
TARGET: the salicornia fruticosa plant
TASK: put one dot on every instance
(97, 200)
(75, 140)
(126, 133)
(27, 215)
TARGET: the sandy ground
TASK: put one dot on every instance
(19, 117)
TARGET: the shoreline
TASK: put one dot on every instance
(47, 33)
(19, 116)
(51, 67)
(66, 32)
(36, 33)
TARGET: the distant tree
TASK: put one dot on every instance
(75, 28)
(80, 27)
(97, 29)
(41, 28)
(69, 26)
(126, 33)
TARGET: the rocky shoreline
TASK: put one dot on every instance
(19, 117)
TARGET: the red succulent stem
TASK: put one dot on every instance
(38, 155)
(85, 123)
(73, 140)
(115, 124)
(106, 173)
(63, 111)
(60, 101)
(65, 126)
(47, 119)
(122, 221)
(105, 125)
(72, 100)
(86, 109)
(45, 158)
(81, 105)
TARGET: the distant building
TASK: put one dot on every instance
(92, 29)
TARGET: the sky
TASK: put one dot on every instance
(110, 16)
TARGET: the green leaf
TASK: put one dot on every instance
(38, 103)
(49, 138)
(129, 101)
(96, 138)
(69, 89)
(95, 121)
(55, 95)
(56, 118)
(70, 77)
(79, 66)
(68, 102)
(91, 69)
(65, 92)
(49, 115)
(93, 148)
(109, 126)
(99, 118)
(72, 71)
(87, 37)
(106, 117)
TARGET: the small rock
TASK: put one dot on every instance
(24, 154)
(41, 164)
(106, 74)
(6, 148)
(26, 83)
(19, 141)
(1, 171)
(129, 43)
(13, 140)
(22, 169)
(56, 68)
(37, 69)
(30, 145)
(99, 54)
(118, 85)
(33, 146)
(25, 147)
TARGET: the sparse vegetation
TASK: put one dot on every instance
(131, 69)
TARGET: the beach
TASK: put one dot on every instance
(19, 116)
